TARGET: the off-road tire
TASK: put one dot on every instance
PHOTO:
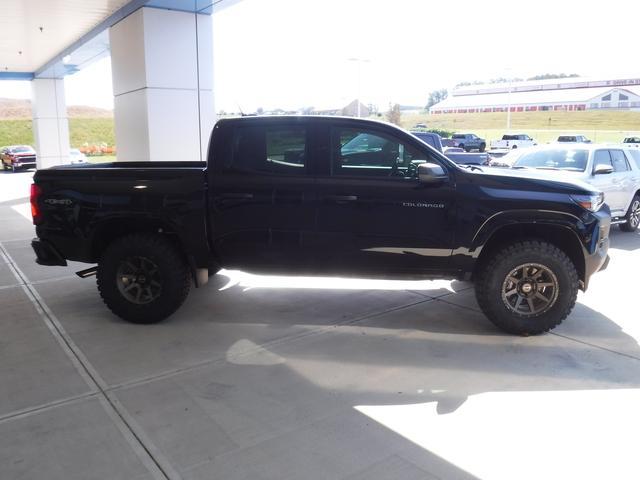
(172, 274)
(632, 217)
(493, 274)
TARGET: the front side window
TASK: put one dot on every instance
(360, 152)
(276, 150)
(619, 161)
(601, 157)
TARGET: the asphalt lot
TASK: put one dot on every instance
(261, 377)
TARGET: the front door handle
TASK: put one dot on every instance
(237, 196)
(342, 198)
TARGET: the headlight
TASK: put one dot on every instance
(590, 202)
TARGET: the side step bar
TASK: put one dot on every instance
(89, 272)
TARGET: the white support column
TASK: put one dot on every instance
(162, 82)
(50, 122)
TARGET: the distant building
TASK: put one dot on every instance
(569, 94)
(350, 110)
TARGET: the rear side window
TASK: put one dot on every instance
(278, 150)
(619, 161)
(635, 155)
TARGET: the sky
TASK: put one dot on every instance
(292, 54)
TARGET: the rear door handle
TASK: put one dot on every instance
(240, 196)
(342, 198)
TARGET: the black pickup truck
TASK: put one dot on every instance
(322, 195)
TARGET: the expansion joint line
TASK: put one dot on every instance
(159, 467)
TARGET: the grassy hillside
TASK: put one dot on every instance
(92, 131)
(600, 126)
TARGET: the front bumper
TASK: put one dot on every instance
(46, 254)
(597, 261)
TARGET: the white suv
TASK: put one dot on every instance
(613, 169)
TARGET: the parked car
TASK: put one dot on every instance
(334, 208)
(509, 141)
(611, 169)
(448, 142)
(456, 154)
(16, 157)
(632, 141)
(573, 139)
(77, 156)
(469, 141)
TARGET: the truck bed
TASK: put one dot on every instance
(85, 206)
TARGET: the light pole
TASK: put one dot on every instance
(509, 107)
(359, 63)
(509, 73)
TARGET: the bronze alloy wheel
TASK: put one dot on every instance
(138, 280)
(530, 289)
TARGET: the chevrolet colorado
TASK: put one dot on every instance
(326, 195)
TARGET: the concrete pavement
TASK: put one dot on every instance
(280, 378)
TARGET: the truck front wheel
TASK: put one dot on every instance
(142, 278)
(527, 288)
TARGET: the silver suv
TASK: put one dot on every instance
(615, 170)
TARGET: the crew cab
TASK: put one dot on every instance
(611, 169)
(326, 195)
(18, 156)
(469, 141)
(509, 141)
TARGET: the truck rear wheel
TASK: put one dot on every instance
(142, 278)
(483, 147)
(632, 217)
(527, 288)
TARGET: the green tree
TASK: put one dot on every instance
(436, 96)
(550, 76)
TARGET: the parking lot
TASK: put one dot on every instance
(259, 377)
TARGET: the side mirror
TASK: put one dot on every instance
(431, 173)
(602, 169)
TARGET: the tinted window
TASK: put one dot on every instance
(280, 149)
(561, 159)
(619, 161)
(457, 136)
(359, 152)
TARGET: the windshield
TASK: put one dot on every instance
(21, 150)
(560, 159)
